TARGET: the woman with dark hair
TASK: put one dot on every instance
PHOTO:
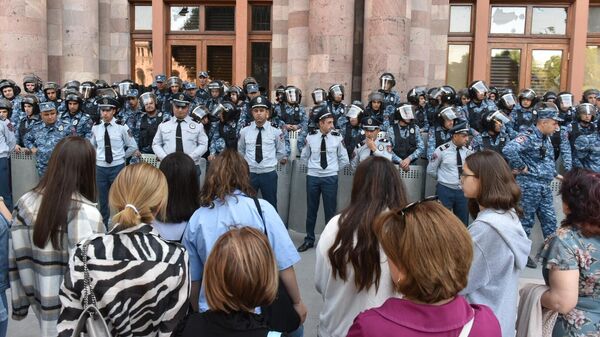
(228, 200)
(184, 194)
(351, 270)
(571, 258)
(500, 245)
(49, 221)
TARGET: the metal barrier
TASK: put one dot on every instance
(293, 136)
(24, 174)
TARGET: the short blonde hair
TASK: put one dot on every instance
(144, 187)
(431, 246)
(240, 273)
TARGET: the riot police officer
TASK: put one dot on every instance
(581, 126)
(87, 90)
(531, 156)
(372, 145)
(493, 94)
(550, 97)
(478, 105)
(506, 103)
(175, 87)
(228, 127)
(566, 106)
(10, 91)
(161, 93)
(252, 91)
(235, 95)
(440, 134)
(523, 115)
(78, 122)
(405, 136)
(202, 93)
(431, 107)
(43, 137)
(279, 104)
(335, 97)
(295, 118)
(352, 132)
(493, 134)
(416, 97)
(590, 96)
(147, 123)
(52, 93)
(386, 83)
(33, 85)
(216, 91)
(376, 108)
(29, 104)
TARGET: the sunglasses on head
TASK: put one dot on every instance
(410, 206)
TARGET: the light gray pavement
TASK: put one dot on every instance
(305, 274)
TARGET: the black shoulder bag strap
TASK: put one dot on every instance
(281, 315)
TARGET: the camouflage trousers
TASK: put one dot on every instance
(537, 199)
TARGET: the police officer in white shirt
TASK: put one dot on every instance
(325, 155)
(262, 145)
(114, 143)
(181, 133)
(446, 166)
(373, 145)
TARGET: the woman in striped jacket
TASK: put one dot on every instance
(140, 281)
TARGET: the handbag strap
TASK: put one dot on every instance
(262, 217)
(88, 294)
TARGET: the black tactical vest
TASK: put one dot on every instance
(148, 131)
(404, 147)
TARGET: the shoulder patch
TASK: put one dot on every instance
(335, 133)
(520, 139)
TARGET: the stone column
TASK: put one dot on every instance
(81, 57)
(420, 30)
(279, 47)
(55, 38)
(297, 60)
(386, 43)
(331, 29)
(23, 39)
(440, 17)
(114, 43)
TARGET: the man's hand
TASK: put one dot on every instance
(405, 164)
(34, 150)
(137, 153)
(283, 161)
(371, 144)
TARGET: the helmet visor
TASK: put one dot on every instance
(407, 112)
(353, 111)
(336, 91)
(217, 110)
(291, 95)
(480, 87)
(386, 83)
(147, 98)
(508, 100)
(566, 100)
(86, 91)
(318, 96)
(448, 114)
(499, 116)
(124, 88)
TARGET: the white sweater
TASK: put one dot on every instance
(342, 301)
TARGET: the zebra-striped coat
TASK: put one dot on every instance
(141, 283)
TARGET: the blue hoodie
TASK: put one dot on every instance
(500, 251)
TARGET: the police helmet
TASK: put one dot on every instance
(446, 94)
(495, 92)
(32, 79)
(51, 86)
(10, 83)
(249, 80)
(430, 96)
(147, 97)
(405, 113)
(72, 84)
(236, 90)
(478, 87)
(449, 113)
(319, 96)
(589, 92)
(198, 113)
(6, 104)
(280, 93)
(586, 109)
(106, 92)
(87, 89)
(216, 85)
(174, 81)
(565, 100)
(549, 96)
(73, 96)
(413, 95)
(507, 101)
(293, 94)
(101, 84)
(387, 81)
(376, 96)
(528, 94)
(31, 100)
(489, 119)
(355, 110)
(336, 90)
(124, 87)
(226, 109)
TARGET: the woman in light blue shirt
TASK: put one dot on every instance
(227, 201)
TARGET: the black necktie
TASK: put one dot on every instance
(459, 163)
(178, 139)
(107, 148)
(323, 152)
(258, 155)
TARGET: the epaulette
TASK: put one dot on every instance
(383, 140)
(274, 124)
(120, 122)
(335, 133)
(165, 120)
(313, 132)
(444, 146)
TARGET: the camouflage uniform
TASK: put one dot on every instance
(44, 137)
(145, 130)
(473, 112)
(588, 151)
(533, 150)
(79, 124)
(338, 110)
(406, 142)
(437, 136)
(485, 141)
(294, 115)
(353, 136)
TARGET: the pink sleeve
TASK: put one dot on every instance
(356, 329)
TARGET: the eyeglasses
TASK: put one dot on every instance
(464, 175)
(413, 204)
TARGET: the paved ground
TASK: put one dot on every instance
(305, 273)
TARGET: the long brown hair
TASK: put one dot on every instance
(580, 191)
(497, 186)
(71, 170)
(227, 172)
(377, 185)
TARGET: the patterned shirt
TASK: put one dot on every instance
(37, 273)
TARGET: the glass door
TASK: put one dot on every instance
(506, 70)
(546, 68)
(187, 57)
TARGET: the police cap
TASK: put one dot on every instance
(182, 99)
(370, 123)
(260, 102)
(47, 106)
(107, 102)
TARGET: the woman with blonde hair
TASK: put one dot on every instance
(429, 253)
(240, 274)
(140, 280)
